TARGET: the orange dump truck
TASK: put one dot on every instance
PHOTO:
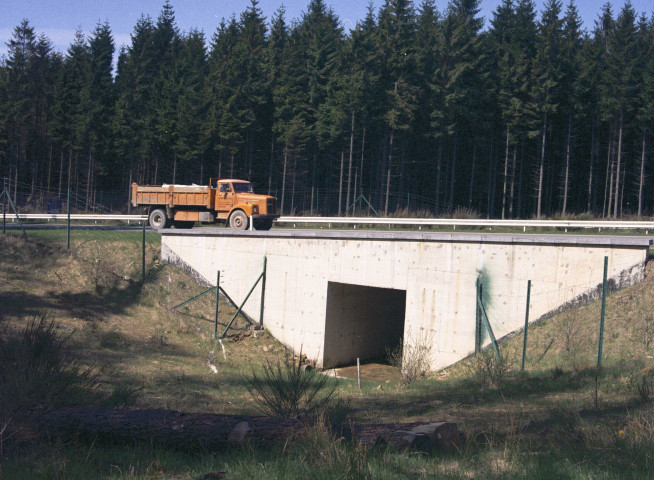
(230, 201)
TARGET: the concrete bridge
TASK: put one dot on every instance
(339, 295)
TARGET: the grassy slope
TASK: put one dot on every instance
(542, 423)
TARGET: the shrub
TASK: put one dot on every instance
(412, 358)
(285, 388)
(487, 370)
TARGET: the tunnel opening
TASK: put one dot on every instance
(362, 322)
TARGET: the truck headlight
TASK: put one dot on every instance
(255, 209)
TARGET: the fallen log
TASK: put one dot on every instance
(192, 431)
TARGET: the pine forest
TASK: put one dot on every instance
(420, 109)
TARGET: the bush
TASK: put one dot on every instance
(412, 358)
(37, 375)
(487, 370)
(287, 389)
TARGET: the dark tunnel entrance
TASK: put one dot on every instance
(363, 322)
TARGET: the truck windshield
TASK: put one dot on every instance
(243, 188)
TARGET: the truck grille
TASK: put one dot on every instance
(272, 206)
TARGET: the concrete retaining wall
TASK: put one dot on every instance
(312, 303)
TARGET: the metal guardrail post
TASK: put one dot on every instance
(524, 342)
(601, 332)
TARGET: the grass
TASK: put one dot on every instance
(547, 422)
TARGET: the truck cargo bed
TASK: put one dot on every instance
(172, 195)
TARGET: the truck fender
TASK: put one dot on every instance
(247, 209)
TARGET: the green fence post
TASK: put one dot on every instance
(601, 332)
(478, 317)
(524, 342)
(263, 290)
(215, 322)
(68, 227)
(143, 257)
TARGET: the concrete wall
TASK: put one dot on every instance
(438, 272)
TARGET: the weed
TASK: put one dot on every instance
(642, 384)
(38, 375)
(318, 446)
(286, 389)
(571, 341)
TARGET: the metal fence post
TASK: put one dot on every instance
(263, 290)
(601, 332)
(215, 322)
(524, 342)
(478, 314)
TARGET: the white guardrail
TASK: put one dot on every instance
(453, 222)
(355, 221)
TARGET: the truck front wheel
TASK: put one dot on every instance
(158, 219)
(238, 220)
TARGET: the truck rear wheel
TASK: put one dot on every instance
(238, 220)
(158, 219)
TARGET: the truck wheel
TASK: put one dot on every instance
(238, 220)
(263, 224)
(158, 219)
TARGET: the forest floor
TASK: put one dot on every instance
(561, 418)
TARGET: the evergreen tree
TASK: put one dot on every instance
(396, 47)
(547, 73)
(191, 107)
(101, 107)
(619, 85)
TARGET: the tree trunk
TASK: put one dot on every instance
(281, 208)
(589, 205)
(61, 170)
(641, 180)
(363, 147)
(566, 174)
(472, 174)
(512, 192)
(439, 164)
(506, 171)
(541, 167)
(349, 168)
(272, 161)
(618, 167)
(607, 208)
(340, 186)
(453, 170)
(191, 431)
(388, 172)
(88, 182)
